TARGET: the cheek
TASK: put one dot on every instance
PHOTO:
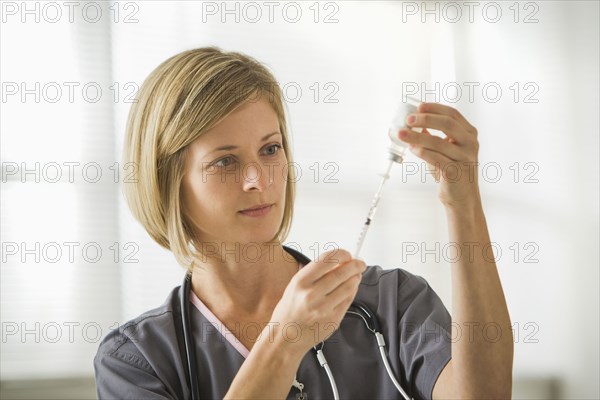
(281, 169)
(197, 194)
(281, 177)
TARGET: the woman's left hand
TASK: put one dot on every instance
(454, 158)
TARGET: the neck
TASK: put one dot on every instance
(247, 282)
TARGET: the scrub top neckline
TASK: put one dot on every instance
(220, 326)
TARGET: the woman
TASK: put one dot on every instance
(209, 136)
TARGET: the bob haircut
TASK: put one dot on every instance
(180, 100)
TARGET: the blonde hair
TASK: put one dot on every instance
(180, 100)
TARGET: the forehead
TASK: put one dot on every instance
(251, 120)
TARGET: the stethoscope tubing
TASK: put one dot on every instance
(370, 321)
(188, 338)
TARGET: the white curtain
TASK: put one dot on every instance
(344, 66)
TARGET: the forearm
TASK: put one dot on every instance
(268, 371)
(483, 355)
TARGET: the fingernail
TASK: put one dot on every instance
(403, 134)
(411, 118)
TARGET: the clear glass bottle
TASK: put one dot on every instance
(398, 147)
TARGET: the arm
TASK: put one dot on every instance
(481, 366)
(269, 370)
(315, 300)
(121, 372)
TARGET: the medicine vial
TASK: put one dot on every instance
(398, 147)
(396, 150)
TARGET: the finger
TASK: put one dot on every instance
(440, 161)
(339, 275)
(325, 263)
(431, 142)
(336, 256)
(453, 113)
(344, 305)
(451, 127)
(344, 291)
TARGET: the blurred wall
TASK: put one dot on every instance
(524, 73)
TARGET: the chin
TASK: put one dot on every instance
(257, 236)
(263, 234)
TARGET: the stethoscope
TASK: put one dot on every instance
(362, 311)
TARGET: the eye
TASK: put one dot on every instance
(277, 146)
(219, 162)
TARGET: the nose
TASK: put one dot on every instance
(255, 177)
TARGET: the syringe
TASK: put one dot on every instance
(372, 210)
(396, 151)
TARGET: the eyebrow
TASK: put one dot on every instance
(264, 139)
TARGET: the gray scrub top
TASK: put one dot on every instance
(145, 357)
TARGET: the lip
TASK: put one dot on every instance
(257, 211)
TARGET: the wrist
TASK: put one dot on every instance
(280, 347)
(465, 210)
(471, 202)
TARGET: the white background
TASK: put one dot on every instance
(362, 54)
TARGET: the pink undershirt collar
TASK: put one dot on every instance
(225, 332)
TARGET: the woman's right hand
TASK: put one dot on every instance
(316, 299)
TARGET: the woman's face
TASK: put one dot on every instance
(238, 164)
